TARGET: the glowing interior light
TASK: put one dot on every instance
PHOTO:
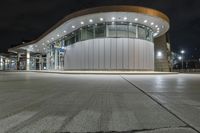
(101, 19)
(159, 54)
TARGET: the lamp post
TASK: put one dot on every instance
(180, 58)
(182, 52)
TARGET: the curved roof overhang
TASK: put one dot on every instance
(157, 18)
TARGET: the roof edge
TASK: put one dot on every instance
(100, 9)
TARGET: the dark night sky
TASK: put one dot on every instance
(28, 19)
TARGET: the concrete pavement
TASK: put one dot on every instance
(44, 102)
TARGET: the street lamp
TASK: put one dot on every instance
(180, 58)
(182, 52)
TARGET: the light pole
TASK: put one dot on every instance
(182, 52)
(180, 58)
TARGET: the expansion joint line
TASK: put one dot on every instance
(159, 103)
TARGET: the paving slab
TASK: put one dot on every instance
(92, 103)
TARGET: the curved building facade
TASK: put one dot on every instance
(101, 38)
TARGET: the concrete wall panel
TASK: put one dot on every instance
(110, 54)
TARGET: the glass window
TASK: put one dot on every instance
(70, 39)
(111, 30)
(78, 35)
(141, 32)
(84, 33)
(100, 30)
(87, 32)
(90, 32)
(122, 30)
(132, 31)
(149, 35)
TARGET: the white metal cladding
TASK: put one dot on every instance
(110, 54)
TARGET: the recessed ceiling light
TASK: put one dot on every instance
(64, 31)
(90, 20)
(82, 22)
(101, 19)
(156, 26)
(152, 23)
(52, 38)
(47, 41)
(130, 23)
(145, 21)
(113, 18)
(73, 27)
(58, 35)
(125, 18)
(136, 19)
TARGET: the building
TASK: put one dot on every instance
(8, 61)
(101, 38)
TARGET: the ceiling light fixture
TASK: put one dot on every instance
(136, 19)
(125, 18)
(101, 19)
(90, 20)
(82, 22)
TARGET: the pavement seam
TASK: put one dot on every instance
(168, 110)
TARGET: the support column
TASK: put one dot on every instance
(18, 61)
(28, 60)
(56, 59)
(40, 62)
(48, 61)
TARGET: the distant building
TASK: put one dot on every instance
(8, 61)
(102, 38)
